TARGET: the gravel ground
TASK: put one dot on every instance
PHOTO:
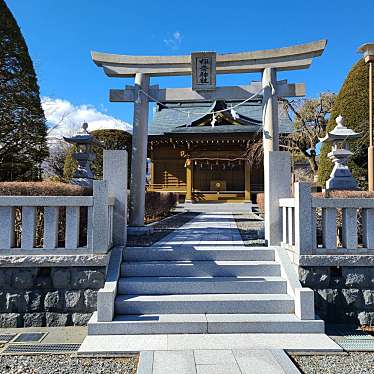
(350, 363)
(251, 227)
(65, 364)
(161, 229)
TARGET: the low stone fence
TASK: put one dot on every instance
(94, 234)
(54, 280)
(331, 241)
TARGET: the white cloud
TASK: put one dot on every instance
(174, 41)
(65, 118)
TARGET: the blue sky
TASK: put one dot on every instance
(61, 34)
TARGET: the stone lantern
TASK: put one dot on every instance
(84, 141)
(341, 177)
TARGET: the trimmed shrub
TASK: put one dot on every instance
(159, 204)
(352, 104)
(42, 189)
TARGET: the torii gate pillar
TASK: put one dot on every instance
(270, 144)
(139, 151)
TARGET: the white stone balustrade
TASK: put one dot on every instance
(97, 229)
(299, 223)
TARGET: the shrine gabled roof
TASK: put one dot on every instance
(173, 118)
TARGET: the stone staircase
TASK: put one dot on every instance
(174, 288)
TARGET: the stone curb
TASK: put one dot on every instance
(284, 361)
(145, 365)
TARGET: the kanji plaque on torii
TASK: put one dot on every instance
(203, 70)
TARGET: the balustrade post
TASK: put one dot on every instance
(28, 227)
(100, 218)
(277, 186)
(349, 228)
(303, 218)
(329, 228)
(50, 227)
(368, 228)
(7, 219)
(115, 173)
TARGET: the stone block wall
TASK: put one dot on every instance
(342, 294)
(48, 296)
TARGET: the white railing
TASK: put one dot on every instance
(327, 225)
(55, 224)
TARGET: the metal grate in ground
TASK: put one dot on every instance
(5, 338)
(40, 348)
(357, 344)
(30, 337)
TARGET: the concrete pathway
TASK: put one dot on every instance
(206, 228)
(216, 362)
(216, 207)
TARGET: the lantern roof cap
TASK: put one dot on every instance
(82, 137)
(340, 132)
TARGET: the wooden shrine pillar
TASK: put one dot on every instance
(189, 180)
(247, 181)
(152, 171)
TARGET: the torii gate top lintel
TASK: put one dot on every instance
(287, 58)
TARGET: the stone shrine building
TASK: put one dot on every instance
(199, 151)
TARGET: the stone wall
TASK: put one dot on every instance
(48, 296)
(342, 294)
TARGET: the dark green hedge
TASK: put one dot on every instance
(352, 104)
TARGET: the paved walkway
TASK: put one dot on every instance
(206, 228)
(216, 362)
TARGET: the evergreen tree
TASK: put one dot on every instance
(352, 103)
(22, 123)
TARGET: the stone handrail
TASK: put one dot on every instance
(81, 223)
(304, 215)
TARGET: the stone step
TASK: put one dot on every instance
(198, 253)
(204, 303)
(196, 285)
(203, 323)
(200, 268)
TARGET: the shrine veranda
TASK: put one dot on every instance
(196, 143)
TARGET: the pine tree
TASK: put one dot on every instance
(22, 122)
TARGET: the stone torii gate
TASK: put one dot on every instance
(268, 62)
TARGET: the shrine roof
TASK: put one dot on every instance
(172, 118)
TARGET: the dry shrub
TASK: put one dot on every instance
(42, 189)
(345, 194)
(260, 201)
(159, 204)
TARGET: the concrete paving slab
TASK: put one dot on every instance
(137, 343)
(122, 343)
(214, 357)
(289, 342)
(180, 362)
(217, 369)
(262, 360)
